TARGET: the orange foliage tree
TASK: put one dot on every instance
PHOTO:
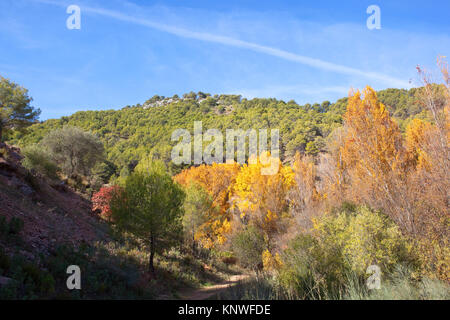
(216, 179)
(407, 177)
(372, 159)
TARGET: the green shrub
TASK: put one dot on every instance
(32, 181)
(306, 273)
(47, 284)
(15, 225)
(32, 272)
(10, 291)
(105, 275)
(343, 244)
(3, 152)
(364, 237)
(10, 230)
(37, 159)
(5, 262)
(3, 225)
(400, 285)
(248, 246)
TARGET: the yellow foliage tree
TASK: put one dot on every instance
(417, 134)
(261, 199)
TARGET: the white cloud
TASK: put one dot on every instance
(229, 41)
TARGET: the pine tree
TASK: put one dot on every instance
(15, 109)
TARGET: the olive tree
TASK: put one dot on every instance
(75, 151)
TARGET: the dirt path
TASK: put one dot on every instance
(207, 292)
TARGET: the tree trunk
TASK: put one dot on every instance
(1, 130)
(151, 267)
(72, 165)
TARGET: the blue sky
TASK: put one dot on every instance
(128, 51)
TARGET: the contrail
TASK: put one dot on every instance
(184, 33)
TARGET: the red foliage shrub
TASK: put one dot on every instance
(101, 201)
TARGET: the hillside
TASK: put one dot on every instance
(134, 131)
(46, 226)
(51, 212)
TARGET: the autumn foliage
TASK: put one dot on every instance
(216, 180)
(296, 222)
(261, 200)
(371, 153)
(406, 176)
(101, 200)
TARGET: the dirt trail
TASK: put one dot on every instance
(207, 292)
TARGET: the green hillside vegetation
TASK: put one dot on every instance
(133, 132)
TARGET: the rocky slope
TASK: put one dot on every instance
(52, 213)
